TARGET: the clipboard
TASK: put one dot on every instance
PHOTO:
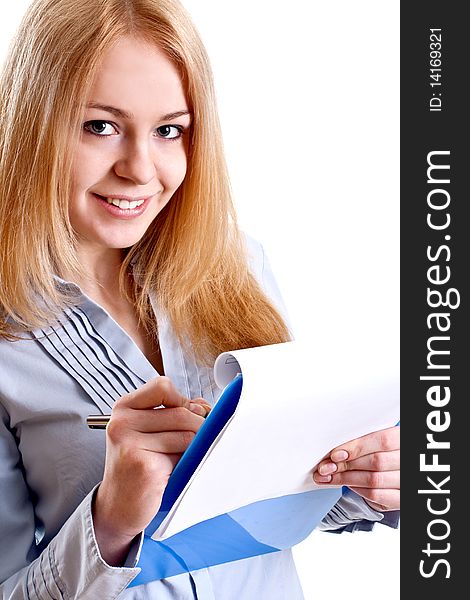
(244, 486)
(227, 537)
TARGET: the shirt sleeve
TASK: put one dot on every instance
(352, 513)
(71, 565)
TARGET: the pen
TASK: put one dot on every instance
(97, 421)
(100, 421)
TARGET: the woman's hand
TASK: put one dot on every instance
(143, 445)
(369, 465)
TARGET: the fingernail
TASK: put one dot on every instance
(339, 455)
(323, 479)
(197, 409)
(327, 468)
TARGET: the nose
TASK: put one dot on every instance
(137, 162)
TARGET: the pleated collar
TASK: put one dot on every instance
(106, 362)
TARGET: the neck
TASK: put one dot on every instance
(101, 268)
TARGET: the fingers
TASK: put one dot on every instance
(379, 441)
(166, 442)
(169, 431)
(200, 407)
(378, 461)
(155, 420)
(363, 479)
(156, 392)
(161, 392)
(370, 465)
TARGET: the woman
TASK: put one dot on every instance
(123, 275)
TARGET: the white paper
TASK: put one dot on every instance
(296, 405)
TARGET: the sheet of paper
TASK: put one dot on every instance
(295, 406)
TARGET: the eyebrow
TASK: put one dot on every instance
(123, 114)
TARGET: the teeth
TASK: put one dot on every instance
(124, 204)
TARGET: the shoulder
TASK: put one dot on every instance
(260, 268)
(22, 366)
(259, 265)
(255, 254)
(12, 353)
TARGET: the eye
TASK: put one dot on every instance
(170, 132)
(101, 128)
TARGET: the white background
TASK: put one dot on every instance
(308, 95)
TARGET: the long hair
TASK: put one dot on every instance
(191, 259)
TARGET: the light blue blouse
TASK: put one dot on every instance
(51, 463)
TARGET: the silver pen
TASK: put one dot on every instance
(97, 421)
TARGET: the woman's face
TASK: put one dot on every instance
(131, 157)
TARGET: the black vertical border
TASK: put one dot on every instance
(424, 131)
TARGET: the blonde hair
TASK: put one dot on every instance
(192, 258)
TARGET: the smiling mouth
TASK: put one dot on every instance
(123, 203)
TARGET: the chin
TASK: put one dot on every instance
(123, 244)
(116, 242)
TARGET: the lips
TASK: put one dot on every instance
(123, 203)
(123, 207)
(124, 197)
